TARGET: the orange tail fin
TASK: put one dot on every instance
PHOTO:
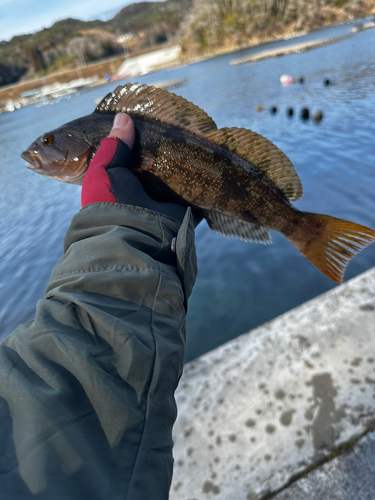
(330, 243)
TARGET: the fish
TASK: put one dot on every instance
(241, 183)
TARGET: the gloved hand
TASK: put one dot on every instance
(108, 180)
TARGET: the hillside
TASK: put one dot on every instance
(159, 19)
(203, 27)
(72, 42)
(222, 25)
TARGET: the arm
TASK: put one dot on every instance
(87, 388)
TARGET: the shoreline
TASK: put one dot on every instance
(259, 42)
(110, 66)
(290, 49)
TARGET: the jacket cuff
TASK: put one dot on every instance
(104, 235)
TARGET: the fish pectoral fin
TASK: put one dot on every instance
(146, 163)
(236, 228)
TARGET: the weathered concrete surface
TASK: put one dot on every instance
(351, 476)
(279, 400)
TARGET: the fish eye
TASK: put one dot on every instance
(46, 140)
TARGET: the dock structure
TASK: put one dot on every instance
(286, 411)
(290, 49)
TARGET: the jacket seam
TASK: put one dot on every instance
(134, 208)
(103, 269)
(149, 385)
(162, 238)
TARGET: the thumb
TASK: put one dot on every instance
(123, 128)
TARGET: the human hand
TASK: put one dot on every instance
(107, 179)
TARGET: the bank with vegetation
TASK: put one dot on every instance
(71, 43)
(202, 27)
(225, 25)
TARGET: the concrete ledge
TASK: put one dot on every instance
(350, 476)
(273, 404)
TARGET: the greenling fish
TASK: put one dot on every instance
(241, 182)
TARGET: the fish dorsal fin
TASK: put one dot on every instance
(264, 155)
(159, 104)
(236, 228)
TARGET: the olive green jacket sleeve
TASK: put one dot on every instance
(87, 388)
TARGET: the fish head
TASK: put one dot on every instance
(63, 154)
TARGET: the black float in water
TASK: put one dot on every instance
(290, 112)
(305, 114)
(327, 82)
(273, 110)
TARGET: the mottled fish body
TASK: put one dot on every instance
(241, 182)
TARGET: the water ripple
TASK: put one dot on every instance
(239, 285)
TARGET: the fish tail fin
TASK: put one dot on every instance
(329, 243)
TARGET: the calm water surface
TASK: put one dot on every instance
(239, 285)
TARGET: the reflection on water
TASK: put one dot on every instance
(240, 285)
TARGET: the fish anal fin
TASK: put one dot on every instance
(263, 155)
(330, 243)
(134, 98)
(236, 228)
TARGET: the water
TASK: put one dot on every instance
(239, 285)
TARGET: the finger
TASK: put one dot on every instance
(123, 128)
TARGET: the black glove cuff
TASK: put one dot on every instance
(122, 156)
(128, 190)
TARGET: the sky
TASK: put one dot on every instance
(27, 16)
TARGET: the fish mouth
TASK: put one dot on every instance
(33, 162)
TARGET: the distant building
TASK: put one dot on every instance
(125, 38)
(140, 65)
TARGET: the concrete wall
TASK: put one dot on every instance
(267, 407)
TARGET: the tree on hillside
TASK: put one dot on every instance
(215, 23)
